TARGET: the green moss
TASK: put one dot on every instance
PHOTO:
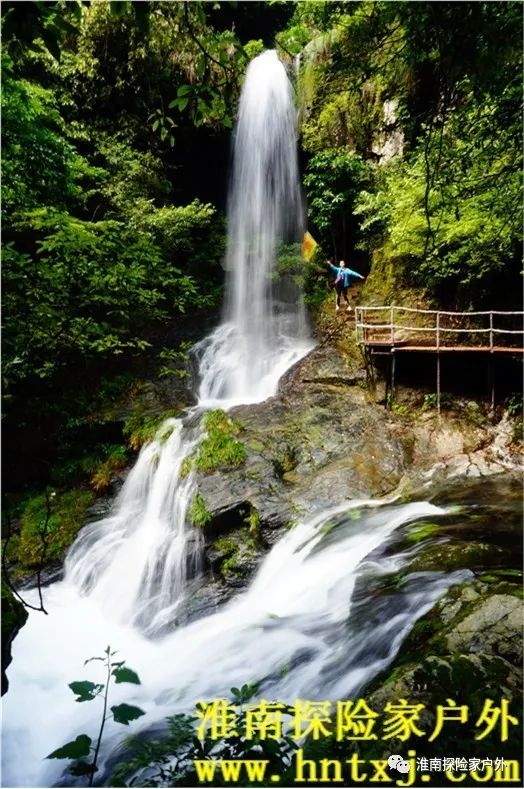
(234, 549)
(140, 428)
(104, 471)
(253, 522)
(422, 531)
(185, 467)
(285, 461)
(199, 515)
(58, 528)
(220, 447)
(403, 410)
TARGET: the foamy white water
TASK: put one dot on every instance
(141, 556)
(299, 629)
(264, 329)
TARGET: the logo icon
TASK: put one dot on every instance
(396, 762)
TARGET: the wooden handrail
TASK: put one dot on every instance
(363, 328)
(442, 312)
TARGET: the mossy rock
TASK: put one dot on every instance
(233, 555)
(14, 617)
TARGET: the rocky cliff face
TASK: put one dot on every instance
(324, 439)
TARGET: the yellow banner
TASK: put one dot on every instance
(308, 246)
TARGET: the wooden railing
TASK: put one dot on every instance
(433, 330)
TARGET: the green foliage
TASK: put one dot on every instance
(82, 747)
(112, 280)
(237, 546)
(169, 761)
(448, 214)
(422, 531)
(254, 47)
(464, 228)
(220, 447)
(141, 428)
(140, 75)
(96, 254)
(104, 471)
(431, 400)
(514, 404)
(400, 409)
(333, 180)
(185, 467)
(76, 749)
(199, 515)
(67, 513)
(38, 164)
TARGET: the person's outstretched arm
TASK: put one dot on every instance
(333, 268)
(354, 273)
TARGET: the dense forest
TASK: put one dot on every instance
(117, 123)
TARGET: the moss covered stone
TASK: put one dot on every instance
(220, 447)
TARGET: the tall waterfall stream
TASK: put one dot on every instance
(127, 575)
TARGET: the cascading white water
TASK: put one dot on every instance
(126, 575)
(141, 556)
(264, 329)
(301, 611)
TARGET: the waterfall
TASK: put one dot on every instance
(144, 554)
(264, 328)
(128, 574)
(307, 627)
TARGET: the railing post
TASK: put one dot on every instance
(438, 364)
(392, 322)
(491, 332)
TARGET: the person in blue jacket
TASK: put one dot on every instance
(343, 281)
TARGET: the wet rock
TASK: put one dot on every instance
(493, 627)
(468, 648)
(312, 445)
(14, 616)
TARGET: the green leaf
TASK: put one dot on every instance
(200, 66)
(73, 750)
(83, 768)
(76, 8)
(183, 90)
(182, 104)
(89, 660)
(123, 674)
(86, 691)
(118, 7)
(123, 713)
(156, 125)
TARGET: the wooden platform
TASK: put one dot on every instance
(445, 348)
(390, 330)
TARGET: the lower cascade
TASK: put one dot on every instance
(302, 609)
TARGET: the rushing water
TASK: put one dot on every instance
(264, 328)
(302, 629)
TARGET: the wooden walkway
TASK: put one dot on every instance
(390, 330)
